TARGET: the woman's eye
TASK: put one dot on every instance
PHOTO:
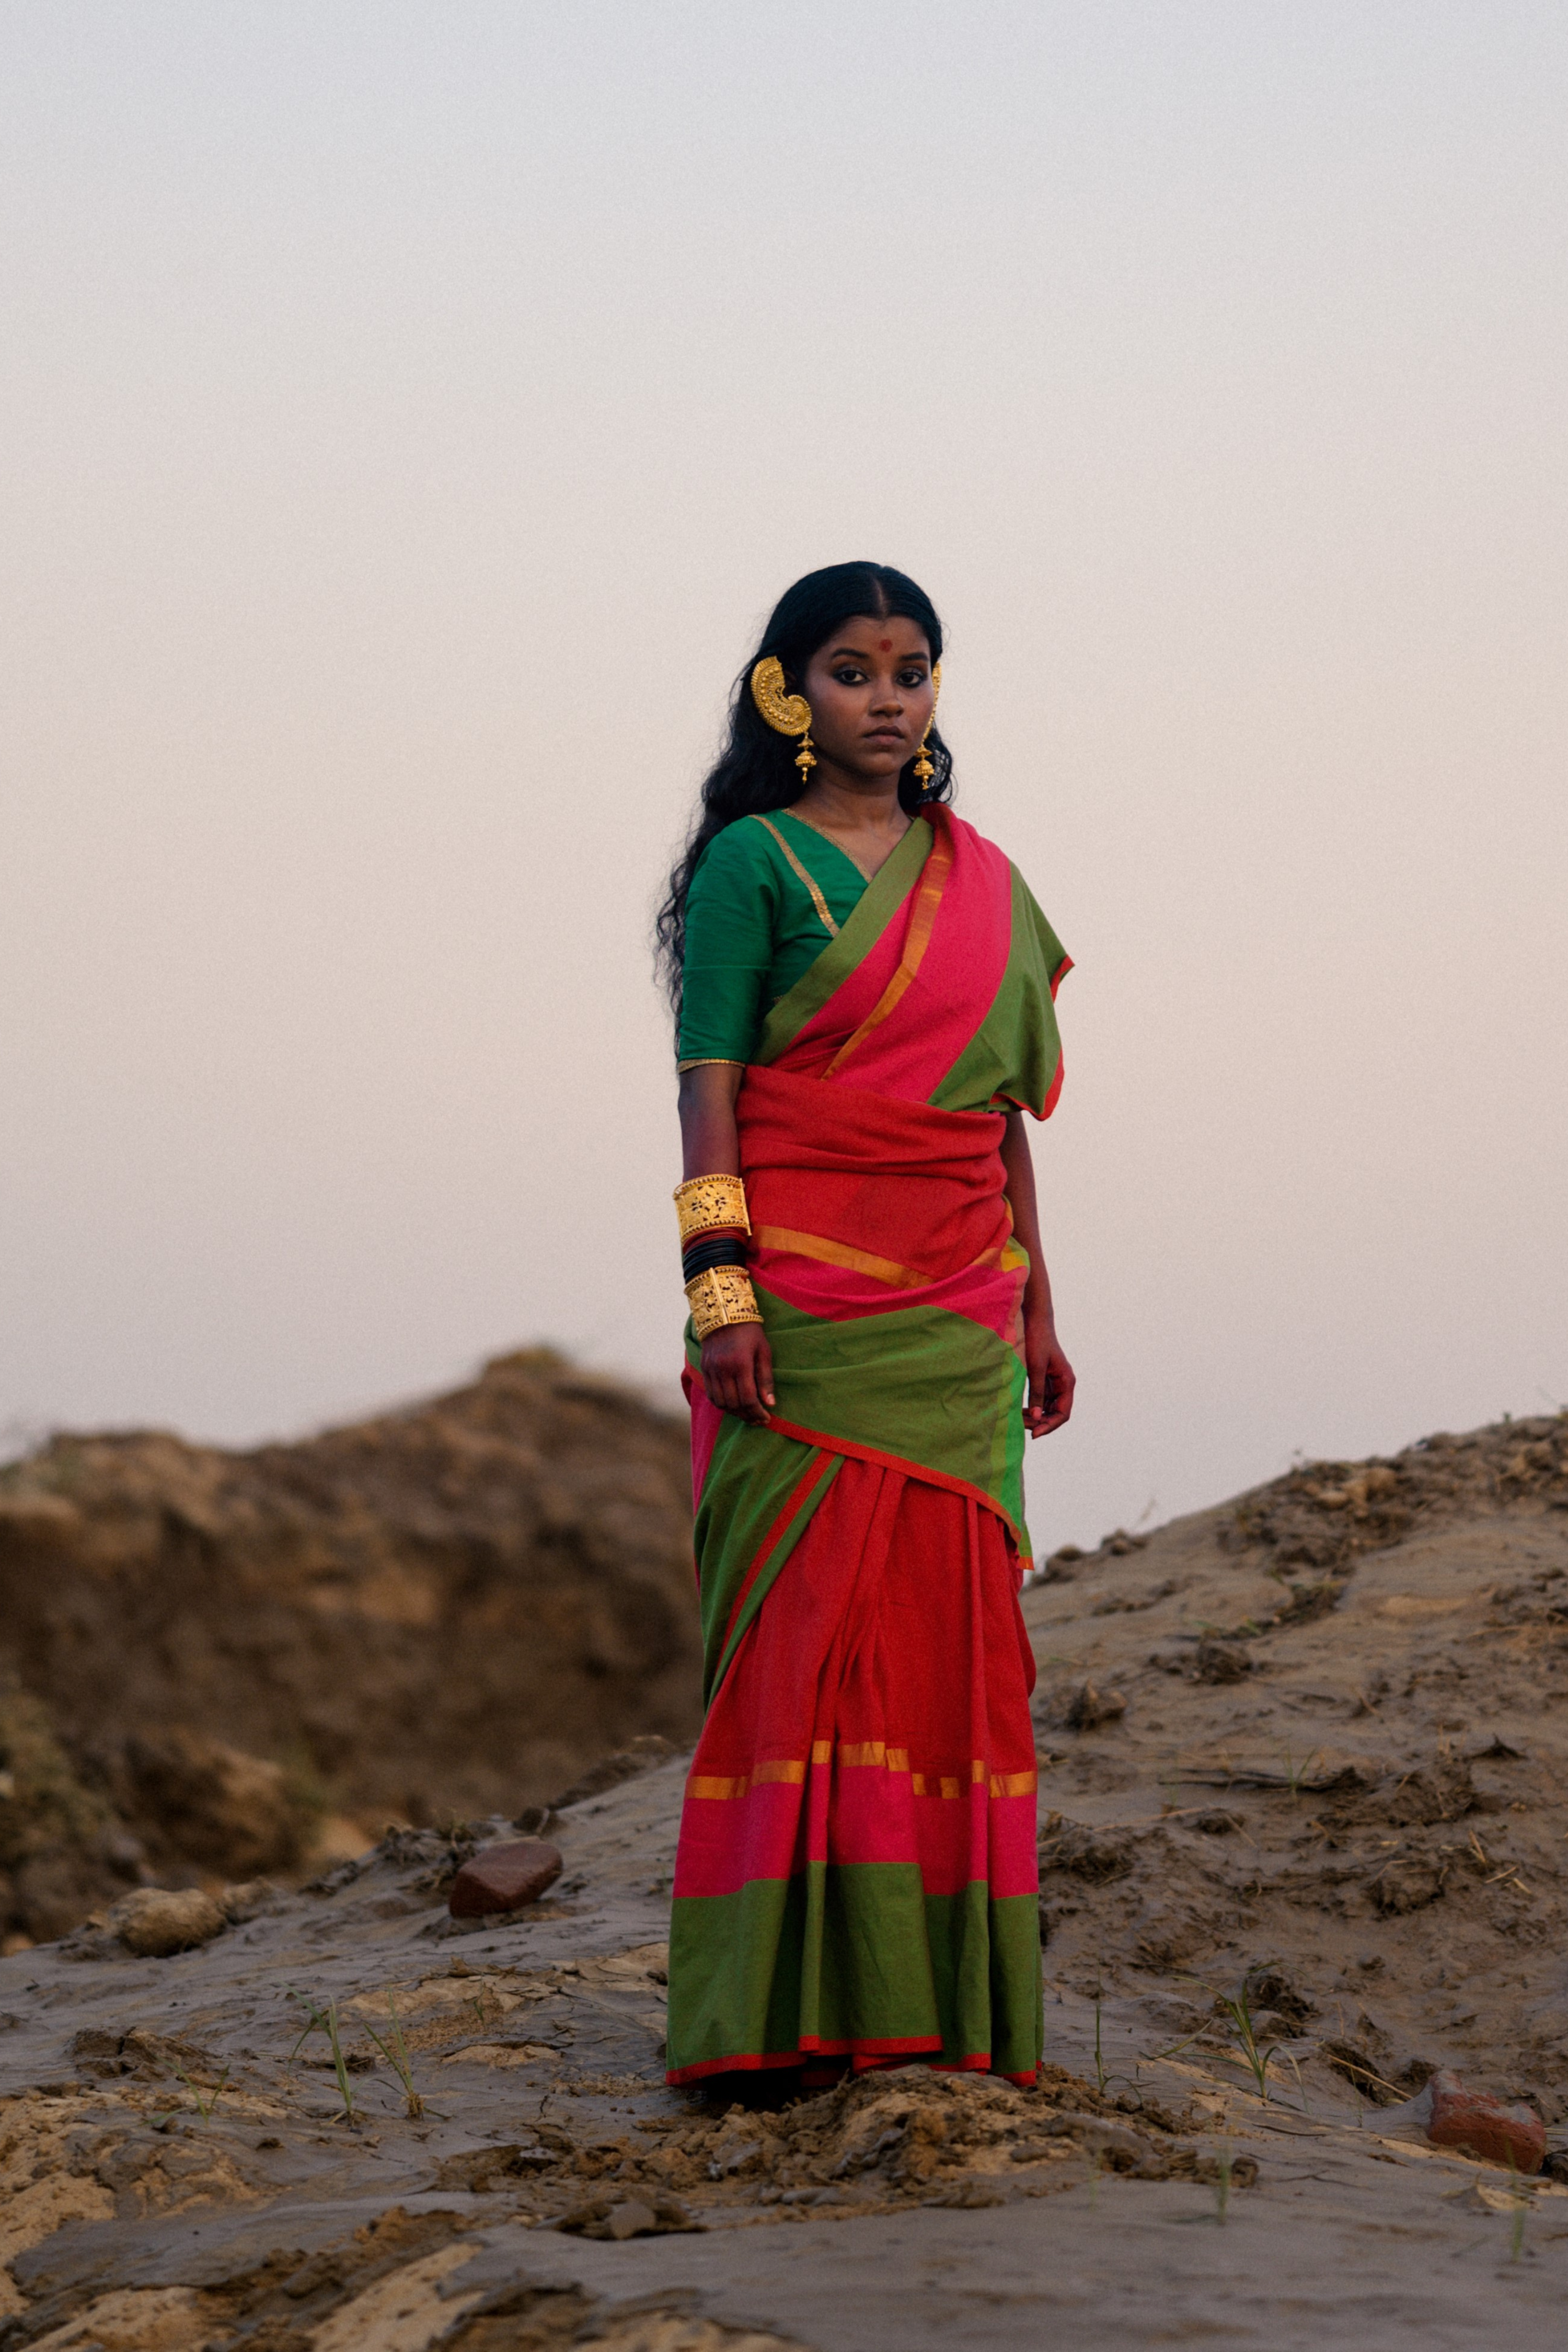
(912, 677)
(848, 677)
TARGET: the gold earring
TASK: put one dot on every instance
(786, 714)
(924, 767)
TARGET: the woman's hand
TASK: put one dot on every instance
(1050, 1374)
(1051, 1377)
(738, 1371)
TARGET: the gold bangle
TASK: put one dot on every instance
(721, 1296)
(707, 1204)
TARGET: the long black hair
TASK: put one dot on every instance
(755, 771)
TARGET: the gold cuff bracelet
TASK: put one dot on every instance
(721, 1296)
(707, 1204)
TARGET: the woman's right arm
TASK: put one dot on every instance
(737, 1365)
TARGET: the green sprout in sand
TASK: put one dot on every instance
(395, 2052)
(325, 2021)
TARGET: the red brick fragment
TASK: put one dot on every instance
(1482, 2126)
(503, 1878)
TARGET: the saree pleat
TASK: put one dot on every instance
(857, 1874)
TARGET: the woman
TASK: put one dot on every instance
(864, 987)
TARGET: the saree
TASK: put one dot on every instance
(856, 1880)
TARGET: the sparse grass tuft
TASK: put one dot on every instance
(395, 2052)
(206, 2097)
(325, 2021)
(1237, 2009)
(1222, 2186)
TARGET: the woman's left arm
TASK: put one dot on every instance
(1050, 1374)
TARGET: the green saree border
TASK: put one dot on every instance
(807, 1497)
(885, 894)
(1013, 1059)
(855, 1956)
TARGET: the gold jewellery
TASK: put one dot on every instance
(713, 1220)
(712, 1204)
(719, 1296)
(924, 767)
(786, 714)
(790, 714)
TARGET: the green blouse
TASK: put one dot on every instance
(767, 896)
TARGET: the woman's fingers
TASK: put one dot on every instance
(758, 1384)
(737, 1372)
(1051, 1395)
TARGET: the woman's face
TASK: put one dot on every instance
(872, 698)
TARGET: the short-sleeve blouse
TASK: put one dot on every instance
(767, 896)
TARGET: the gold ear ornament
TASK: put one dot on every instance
(925, 768)
(786, 714)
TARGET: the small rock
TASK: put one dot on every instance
(1240, 2171)
(627, 2217)
(155, 1921)
(1115, 2146)
(484, 2170)
(151, 2057)
(1479, 2125)
(969, 2195)
(503, 1878)
(241, 1905)
(1220, 1662)
(1087, 1708)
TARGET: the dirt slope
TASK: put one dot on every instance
(445, 1610)
(180, 2173)
(1310, 1744)
(1321, 1733)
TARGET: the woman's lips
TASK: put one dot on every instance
(884, 735)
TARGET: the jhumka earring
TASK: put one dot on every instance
(924, 767)
(786, 714)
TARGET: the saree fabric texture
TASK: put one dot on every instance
(856, 1880)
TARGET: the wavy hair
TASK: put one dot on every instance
(755, 771)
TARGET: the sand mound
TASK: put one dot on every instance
(1334, 1777)
(448, 1610)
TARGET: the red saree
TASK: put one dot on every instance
(856, 1876)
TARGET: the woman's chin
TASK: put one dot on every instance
(877, 767)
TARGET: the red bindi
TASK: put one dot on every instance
(887, 644)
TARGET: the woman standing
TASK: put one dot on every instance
(864, 987)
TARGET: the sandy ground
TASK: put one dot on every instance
(1309, 1744)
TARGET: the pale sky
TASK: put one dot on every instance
(410, 412)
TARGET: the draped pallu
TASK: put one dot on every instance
(856, 1875)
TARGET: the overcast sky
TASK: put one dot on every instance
(411, 410)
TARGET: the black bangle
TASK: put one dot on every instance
(723, 1249)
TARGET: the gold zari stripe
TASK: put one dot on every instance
(869, 1752)
(917, 938)
(787, 1768)
(1006, 1255)
(829, 1253)
(818, 900)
